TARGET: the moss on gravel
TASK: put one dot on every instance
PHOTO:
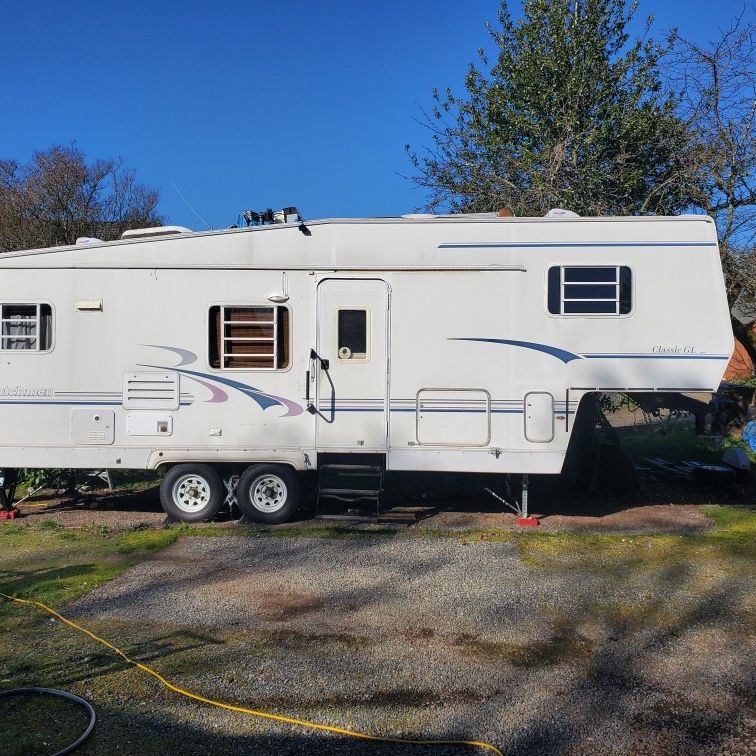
(56, 566)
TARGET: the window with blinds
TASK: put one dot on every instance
(26, 327)
(249, 337)
(590, 290)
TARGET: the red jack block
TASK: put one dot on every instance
(9, 514)
(530, 522)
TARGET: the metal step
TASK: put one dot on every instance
(349, 483)
(352, 469)
(358, 493)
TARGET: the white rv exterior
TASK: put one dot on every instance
(454, 343)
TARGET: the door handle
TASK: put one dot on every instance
(311, 408)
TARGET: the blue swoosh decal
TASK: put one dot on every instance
(561, 354)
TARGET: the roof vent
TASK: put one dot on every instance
(557, 212)
(143, 233)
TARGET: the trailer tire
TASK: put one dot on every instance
(268, 493)
(192, 492)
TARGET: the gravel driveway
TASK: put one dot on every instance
(434, 637)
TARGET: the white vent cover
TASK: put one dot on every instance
(153, 391)
(144, 233)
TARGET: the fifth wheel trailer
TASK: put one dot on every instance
(449, 343)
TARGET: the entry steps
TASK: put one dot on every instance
(354, 485)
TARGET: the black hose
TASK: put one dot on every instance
(59, 694)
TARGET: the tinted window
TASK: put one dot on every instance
(352, 335)
(589, 290)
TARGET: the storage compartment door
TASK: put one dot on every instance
(453, 417)
(539, 417)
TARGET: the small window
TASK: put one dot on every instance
(249, 338)
(583, 290)
(26, 327)
(352, 336)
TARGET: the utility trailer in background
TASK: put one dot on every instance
(449, 343)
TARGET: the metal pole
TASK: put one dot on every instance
(525, 496)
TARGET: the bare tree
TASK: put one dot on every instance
(718, 101)
(58, 196)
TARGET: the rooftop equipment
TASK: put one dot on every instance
(268, 217)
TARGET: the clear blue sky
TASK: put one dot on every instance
(252, 104)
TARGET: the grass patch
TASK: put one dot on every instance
(672, 441)
(12, 528)
(41, 724)
(733, 520)
(728, 545)
(57, 566)
(557, 649)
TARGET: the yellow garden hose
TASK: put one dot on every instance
(242, 709)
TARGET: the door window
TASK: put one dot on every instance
(352, 335)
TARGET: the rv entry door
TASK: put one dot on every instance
(351, 395)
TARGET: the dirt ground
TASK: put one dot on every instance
(436, 502)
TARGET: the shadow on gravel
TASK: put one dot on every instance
(609, 697)
(635, 691)
(133, 728)
(638, 647)
(633, 655)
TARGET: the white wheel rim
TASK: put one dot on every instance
(268, 493)
(191, 493)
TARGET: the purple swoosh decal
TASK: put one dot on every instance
(218, 394)
(292, 408)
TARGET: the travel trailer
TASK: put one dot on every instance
(457, 343)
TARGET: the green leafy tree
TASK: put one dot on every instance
(572, 113)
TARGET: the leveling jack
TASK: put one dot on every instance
(8, 482)
(521, 510)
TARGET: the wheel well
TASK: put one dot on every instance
(225, 468)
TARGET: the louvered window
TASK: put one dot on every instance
(249, 338)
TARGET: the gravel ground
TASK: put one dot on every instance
(429, 637)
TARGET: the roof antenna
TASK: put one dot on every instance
(186, 202)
